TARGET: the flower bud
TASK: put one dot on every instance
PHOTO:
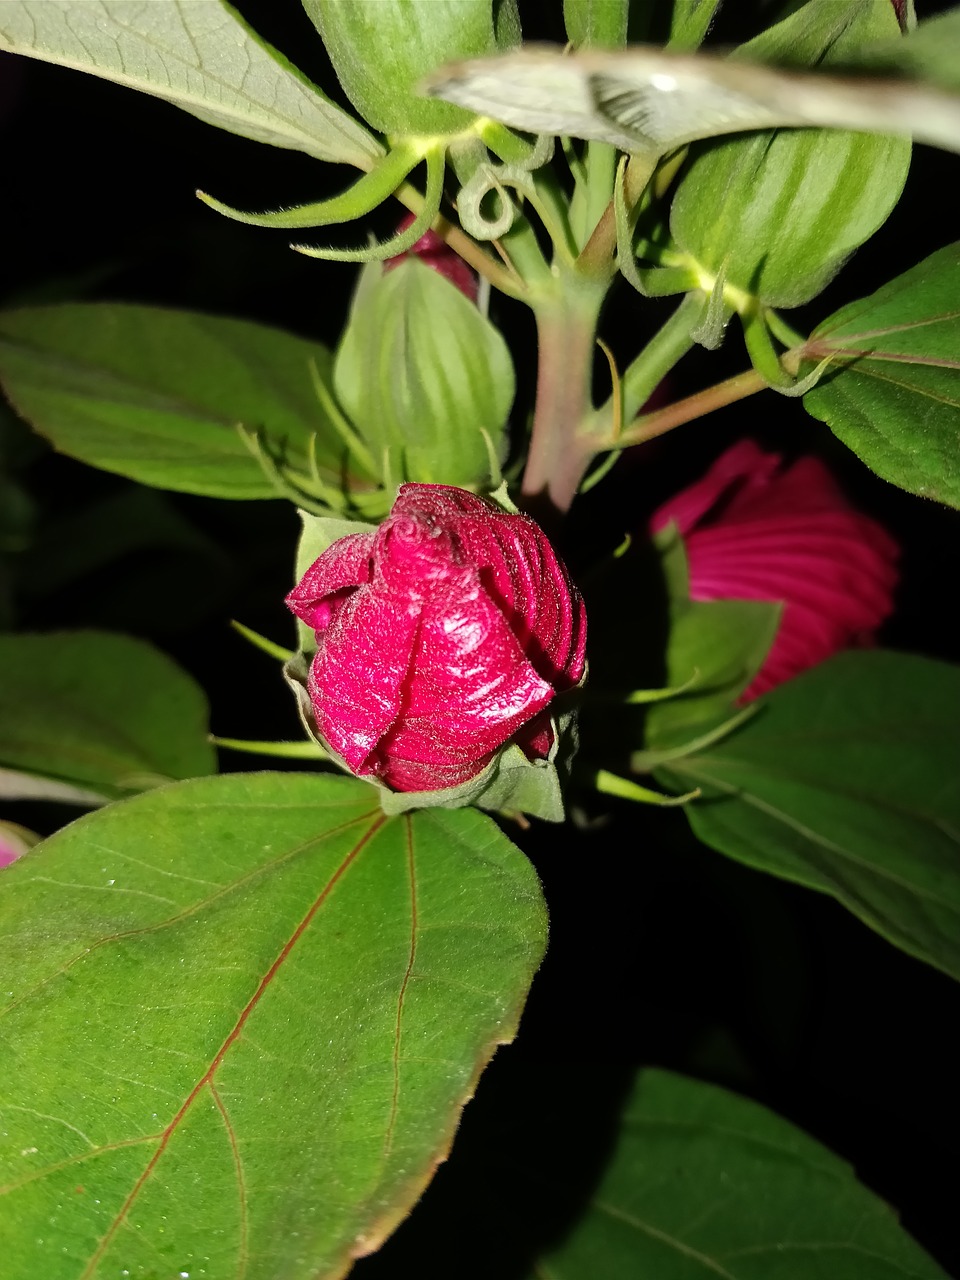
(426, 380)
(441, 636)
(755, 529)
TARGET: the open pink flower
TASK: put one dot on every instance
(441, 635)
(436, 253)
(755, 529)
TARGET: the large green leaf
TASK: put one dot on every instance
(893, 394)
(158, 395)
(197, 54)
(86, 717)
(705, 1184)
(242, 1016)
(846, 781)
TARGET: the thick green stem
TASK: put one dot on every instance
(559, 451)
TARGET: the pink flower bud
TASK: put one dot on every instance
(441, 635)
(436, 253)
(756, 530)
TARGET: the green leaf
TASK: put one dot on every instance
(690, 22)
(426, 379)
(779, 213)
(846, 781)
(199, 55)
(243, 1015)
(893, 395)
(157, 395)
(86, 717)
(705, 1184)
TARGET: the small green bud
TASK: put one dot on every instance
(382, 49)
(425, 378)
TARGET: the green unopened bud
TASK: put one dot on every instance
(780, 211)
(426, 380)
(382, 49)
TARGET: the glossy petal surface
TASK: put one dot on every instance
(440, 636)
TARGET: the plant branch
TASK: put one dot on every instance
(650, 425)
(559, 450)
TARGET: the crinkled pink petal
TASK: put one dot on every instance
(521, 572)
(329, 580)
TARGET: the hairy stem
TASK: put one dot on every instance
(559, 451)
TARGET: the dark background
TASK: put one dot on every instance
(662, 951)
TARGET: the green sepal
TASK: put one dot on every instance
(404, 240)
(307, 750)
(611, 784)
(596, 26)
(715, 313)
(364, 196)
(766, 359)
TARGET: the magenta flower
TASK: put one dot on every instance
(436, 253)
(755, 529)
(441, 636)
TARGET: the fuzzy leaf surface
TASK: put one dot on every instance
(241, 1016)
(198, 54)
(704, 1184)
(157, 395)
(893, 395)
(846, 781)
(87, 716)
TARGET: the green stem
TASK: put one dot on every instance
(650, 425)
(599, 253)
(559, 452)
